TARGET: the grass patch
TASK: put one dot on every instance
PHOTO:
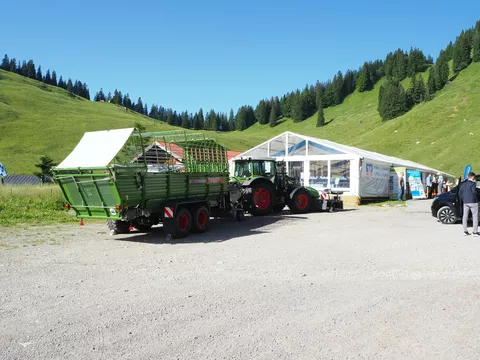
(33, 205)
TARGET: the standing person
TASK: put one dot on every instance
(440, 184)
(434, 185)
(429, 186)
(401, 186)
(468, 195)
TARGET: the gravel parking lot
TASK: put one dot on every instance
(369, 283)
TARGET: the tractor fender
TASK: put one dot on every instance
(249, 182)
(311, 191)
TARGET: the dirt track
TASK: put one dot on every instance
(363, 284)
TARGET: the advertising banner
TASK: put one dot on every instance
(395, 174)
(415, 181)
(372, 170)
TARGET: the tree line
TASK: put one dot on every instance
(28, 70)
(394, 101)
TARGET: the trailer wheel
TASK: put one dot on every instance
(182, 223)
(118, 227)
(200, 219)
(300, 202)
(262, 199)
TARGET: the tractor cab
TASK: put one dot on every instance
(250, 168)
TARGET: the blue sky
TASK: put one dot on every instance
(220, 54)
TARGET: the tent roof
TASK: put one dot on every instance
(394, 161)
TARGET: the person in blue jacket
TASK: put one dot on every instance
(468, 195)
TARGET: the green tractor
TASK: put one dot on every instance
(266, 187)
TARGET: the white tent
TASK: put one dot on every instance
(324, 164)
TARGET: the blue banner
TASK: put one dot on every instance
(3, 171)
(468, 169)
(415, 181)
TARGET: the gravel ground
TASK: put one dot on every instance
(370, 283)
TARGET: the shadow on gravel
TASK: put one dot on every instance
(219, 230)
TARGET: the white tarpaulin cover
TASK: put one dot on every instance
(96, 149)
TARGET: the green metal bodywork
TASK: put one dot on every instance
(250, 169)
(108, 193)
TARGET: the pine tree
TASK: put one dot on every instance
(31, 73)
(145, 109)
(54, 78)
(320, 116)
(272, 121)
(5, 63)
(461, 53)
(13, 65)
(138, 106)
(24, 69)
(39, 75)
(392, 100)
(48, 78)
(62, 83)
(449, 52)
(185, 120)
(420, 90)
(318, 95)
(45, 166)
(170, 118)
(431, 87)
(364, 83)
(261, 112)
(231, 120)
(476, 46)
(240, 119)
(298, 107)
(442, 71)
(69, 85)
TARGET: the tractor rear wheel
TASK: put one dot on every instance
(262, 199)
(300, 202)
(200, 219)
(118, 227)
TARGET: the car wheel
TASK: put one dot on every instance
(446, 215)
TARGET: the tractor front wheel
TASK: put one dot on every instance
(300, 202)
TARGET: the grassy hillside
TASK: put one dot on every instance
(447, 128)
(37, 119)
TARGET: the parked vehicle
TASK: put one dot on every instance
(266, 187)
(447, 207)
(138, 180)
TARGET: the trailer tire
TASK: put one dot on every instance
(200, 219)
(182, 223)
(300, 202)
(261, 199)
(118, 227)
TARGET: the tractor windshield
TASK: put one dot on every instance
(243, 169)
